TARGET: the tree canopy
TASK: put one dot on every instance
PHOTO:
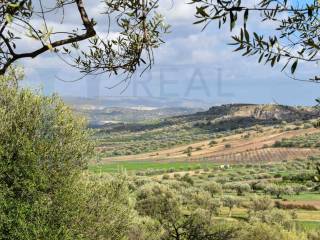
(139, 31)
(296, 29)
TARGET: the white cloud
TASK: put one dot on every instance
(185, 45)
(177, 12)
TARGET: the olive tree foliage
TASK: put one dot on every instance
(44, 192)
(262, 231)
(278, 190)
(317, 177)
(137, 23)
(295, 37)
(145, 228)
(178, 222)
(105, 209)
(275, 217)
(240, 188)
(213, 188)
(43, 148)
(231, 202)
(261, 204)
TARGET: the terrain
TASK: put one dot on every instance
(232, 149)
(222, 130)
(228, 159)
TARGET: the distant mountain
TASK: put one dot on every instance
(223, 118)
(131, 110)
(98, 117)
(263, 112)
(135, 102)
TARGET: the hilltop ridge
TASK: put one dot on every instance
(262, 112)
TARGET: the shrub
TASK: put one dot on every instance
(261, 204)
(228, 145)
(187, 178)
(213, 188)
(212, 143)
(246, 136)
(165, 177)
(307, 125)
(145, 228)
(188, 151)
(222, 180)
(277, 175)
(275, 217)
(298, 188)
(176, 175)
(240, 188)
(301, 177)
(204, 200)
(263, 231)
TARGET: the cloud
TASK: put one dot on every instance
(177, 12)
(187, 48)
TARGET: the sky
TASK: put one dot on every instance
(192, 64)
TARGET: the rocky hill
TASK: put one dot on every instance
(262, 112)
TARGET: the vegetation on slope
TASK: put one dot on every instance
(305, 141)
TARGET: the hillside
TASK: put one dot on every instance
(131, 139)
(247, 146)
(238, 152)
(264, 112)
(223, 118)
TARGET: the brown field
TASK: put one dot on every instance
(262, 155)
(242, 150)
(314, 203)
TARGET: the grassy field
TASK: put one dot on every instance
(147, 165)
(308, 226)
(304, 197)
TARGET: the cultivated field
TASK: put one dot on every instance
(260, 173)
(232, 149)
